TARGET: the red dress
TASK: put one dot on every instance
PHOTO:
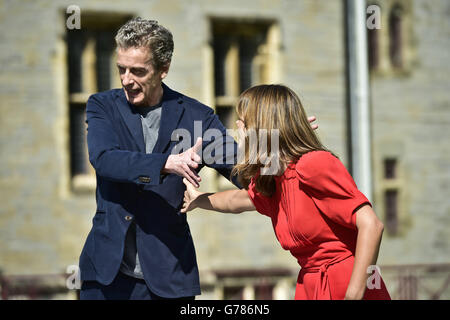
(312, 213)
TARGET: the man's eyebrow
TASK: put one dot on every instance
(133, 68)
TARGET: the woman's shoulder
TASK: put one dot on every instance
(316, 158)
(316, 163)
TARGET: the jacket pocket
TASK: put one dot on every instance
(98, 217)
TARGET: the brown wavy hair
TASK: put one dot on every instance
(264, 108)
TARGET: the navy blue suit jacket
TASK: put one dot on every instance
(130, 187)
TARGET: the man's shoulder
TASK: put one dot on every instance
(192, 104)
(108, 94)
(105, 100)
(196, 106)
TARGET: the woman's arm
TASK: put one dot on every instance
(230, 201)
(370, 230)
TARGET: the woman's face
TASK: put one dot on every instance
(241, 129)
(240, 124)
(241, 135)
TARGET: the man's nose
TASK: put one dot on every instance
(127, 79)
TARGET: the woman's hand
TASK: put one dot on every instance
(311, 120)
(190, 195)
(350, 295)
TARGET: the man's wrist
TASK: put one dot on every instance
(167, 165)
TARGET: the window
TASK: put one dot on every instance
(245, 53)
(390, 48)
(373, 48)
(395, 36)
(408, 286)
(392, 185)
(391, 209)
(264, 291)
(251, 284)
(90, 60)
(390, 168)
(240, 61)
(233, 293)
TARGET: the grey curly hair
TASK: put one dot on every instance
(139, 32)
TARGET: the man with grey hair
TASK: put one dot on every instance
(140, 246)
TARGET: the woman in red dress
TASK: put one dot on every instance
(317, 212)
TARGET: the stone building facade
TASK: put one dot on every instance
(49, 68)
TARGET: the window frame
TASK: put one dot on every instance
(94, 25)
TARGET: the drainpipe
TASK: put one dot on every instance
(358, 96)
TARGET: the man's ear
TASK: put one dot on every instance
(165, 71)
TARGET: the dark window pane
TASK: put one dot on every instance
(104, 51)
(390, 168)
(226, 116)
(78, 145)
(408, 287)
(247, 52)
(233, 293)
(248, 49)
(373, 50)
(76, 41)
(264, 292)
(395, 37)
(221, 45)
(391, 203)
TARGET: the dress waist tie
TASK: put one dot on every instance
(322, 288)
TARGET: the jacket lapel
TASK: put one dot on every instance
(172, 110)
(132, 120)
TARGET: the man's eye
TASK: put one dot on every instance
(139, 72)
(121, 70)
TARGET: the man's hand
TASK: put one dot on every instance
(311, 120)
(184, 164)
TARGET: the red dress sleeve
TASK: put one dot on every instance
(262, 203)
(333, 190)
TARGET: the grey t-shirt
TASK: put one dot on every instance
(150, 119)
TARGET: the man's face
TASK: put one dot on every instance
(140, 80)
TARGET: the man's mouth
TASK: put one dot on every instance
(133, 92)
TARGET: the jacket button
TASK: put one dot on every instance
(128, 218)
(144, 179)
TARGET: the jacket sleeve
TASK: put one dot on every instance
(108, 160)
(219, 148)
